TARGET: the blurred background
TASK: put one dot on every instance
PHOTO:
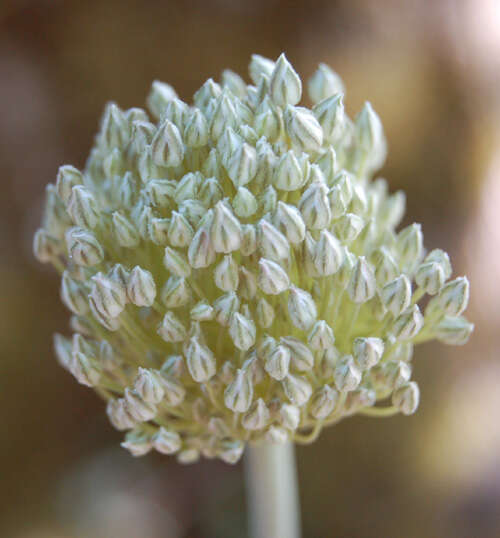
(432, 71)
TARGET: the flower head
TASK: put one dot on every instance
(234, 272)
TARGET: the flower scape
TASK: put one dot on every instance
(234, 272)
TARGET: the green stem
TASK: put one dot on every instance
(271, 481)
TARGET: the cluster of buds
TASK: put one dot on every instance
(235, 274)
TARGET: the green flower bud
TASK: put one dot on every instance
(74, 295)
(430, 277)
(225, 306)
(244, 203)
(225, 232)
(272, 278)
(453, 298)
(259, 67)
(278, 363)
(109, 296)
(348, 227)
(265, 313)
(138, 443)
(202, 312)
(321, 336)
(289, 416)
(328, 254)
(331, 117)
(242, 166)
(46, 248)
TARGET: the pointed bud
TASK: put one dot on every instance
(210, 192)
(167, 147)
(171, 328)
(147, 384)
(173, 389)
(265, 313)
(396, 295)
(239, 393)
(83, 247)
(409, 246)
(297, 389)
(231, 451)
(118, 415)
(226, 274)
(74, 295)
(289, 416)
(242, 331)
(315, 207)
(348, 227)
(368, 352)
(210, 90)
(225, 232)
(248, 239)
(141, 288)
(85, 369)
(301, 356)
(346, 375)
(202, 312)
(46, 247)
(161, 192)
(272, 243)
(257, 416)
(63, 351)
(430, 277)
(242, 166)
(166, 441)
(453, 298)
(406, 398)
(114, 128)
(112, 324)
(125, 232)
(224, 116)
(137, 443)
(330, 115)
(278, 363)
(386, 268)
(200, 361)
(328, 165)
(159, 96)
(301, 308)
(324, 83)
(109, 296)
(285, 86)
(268, 200)
(201, 251)
(259, 67)
(225, 306)
(142, 135)
(272, 278)
(362, 284)
(289, 222)
(173, 367)
(176, 263)
(187, 187)
(454, 331)
(67, 178)
(176, 111)
(328, 254)
(321, 336)
(137, 407)
(323, 402)
(408, 324)
(175, 293)
(370, 136)
(303, 129)
(244, 203)
(143, 217)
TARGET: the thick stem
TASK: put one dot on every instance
(272, 493)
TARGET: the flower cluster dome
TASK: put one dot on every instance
(235, 274)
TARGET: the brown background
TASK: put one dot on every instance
(431, 69)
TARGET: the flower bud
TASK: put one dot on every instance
(276, 435)
(348, 227)
(430, 277)
(370, 136)
(208, 91)
(114, 128)
(239, 393)
(409, 245)
(142, 135)
(74, 295)
(225, 231)
(324, 83)
(226, 274)
(244, 203)
(82, 207)
(368, 351)
(231, 451)
(315, 207)
(138, 443)
(285, 86)
(45, 247)
(406, 398)
(297, 389)
(176, 263)
(137, 407)
(125, 232)
(301, 356)
(175, 292)
(257, 416)
(83, 247)
(439, 256)
(109, 296)
(289, 222)
(272, 243)
(321, 336)
(166, 441)
(248, 239)
(202, 312)
(453, 298)
(408, 324)
(200, 361)
(62, 348)
(173, 389)
(272, 278)
(265, 313)
(330, 115)
(171, 328)
(225, 306)
(242, 166)
(454, 331)
(148, 385)
(303, 129)
(242, 331)
(385, 266)
(259, 67)
(167, 148)
(328, 254)
(278, 363)
(176, 111)
(323, 402)
(346, 374)
(118, 415)
(224, 116)
(289, 416)
(67, 178)
(362, 284)
(301, 308)
(161, 93)
(141, 288)
(396, 295)
(85, 369)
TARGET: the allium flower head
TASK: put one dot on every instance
(235, 274)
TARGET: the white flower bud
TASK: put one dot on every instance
(268, 124)
(158, 231)
(63, 351)
(143, 220)
(137, 407)
(176, 292)
(202, 312)
(392, 374)
(109, 296)
(148, 385)
(430, 277)
(272, 278)
(176, 263)
(227, 145)
(85, 369)
(357, 399)
(159, 96)
(200, 361)
(142, 135)
(231, 451)
(248, 239)
(272, 243)
(362, 285)
(74, 295)
(386, 268)
(187, 187)
(201, 251)
(315, 207)
(303, 128)
(406, 398)
(242, 166)
(247, 287)
(454, 331)
(257, 416)
(265, 313)
(396, 295)
(112, 324)
(289, 416)
(324, 83)
(173, 366)
(173, 389)
(126, 191)
(125, 232)
(239, 393)
(137, 443)
(118, 415)
(439, 256)
(323, 402)
(161, 192)
(321, 336)
(242, 331)
(114, 128)
(301, 308)
(453, 298)
(83, 247)
(348, 227)
(244, 203)
(278, 363)
(171, 328)
(224, 116)
(141, 288)
(226, 274)
(267, 162)
(67, 177)
(167, 148)
(166, 441)
(45, 247)
(290, 223)
(285, 86)
(301, 356)
(330, 115)
(408, 324)
(370, 136)
(225, 231)
(268, 200)
(328, 254)
(260, 66)
(176, 111)
(409, 246)
(225, 306)
(346, 375)
(297, 389)
(328, 165)
(368, 351)
(208, 91)
(276, 435)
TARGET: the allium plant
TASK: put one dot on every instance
(234, 272)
